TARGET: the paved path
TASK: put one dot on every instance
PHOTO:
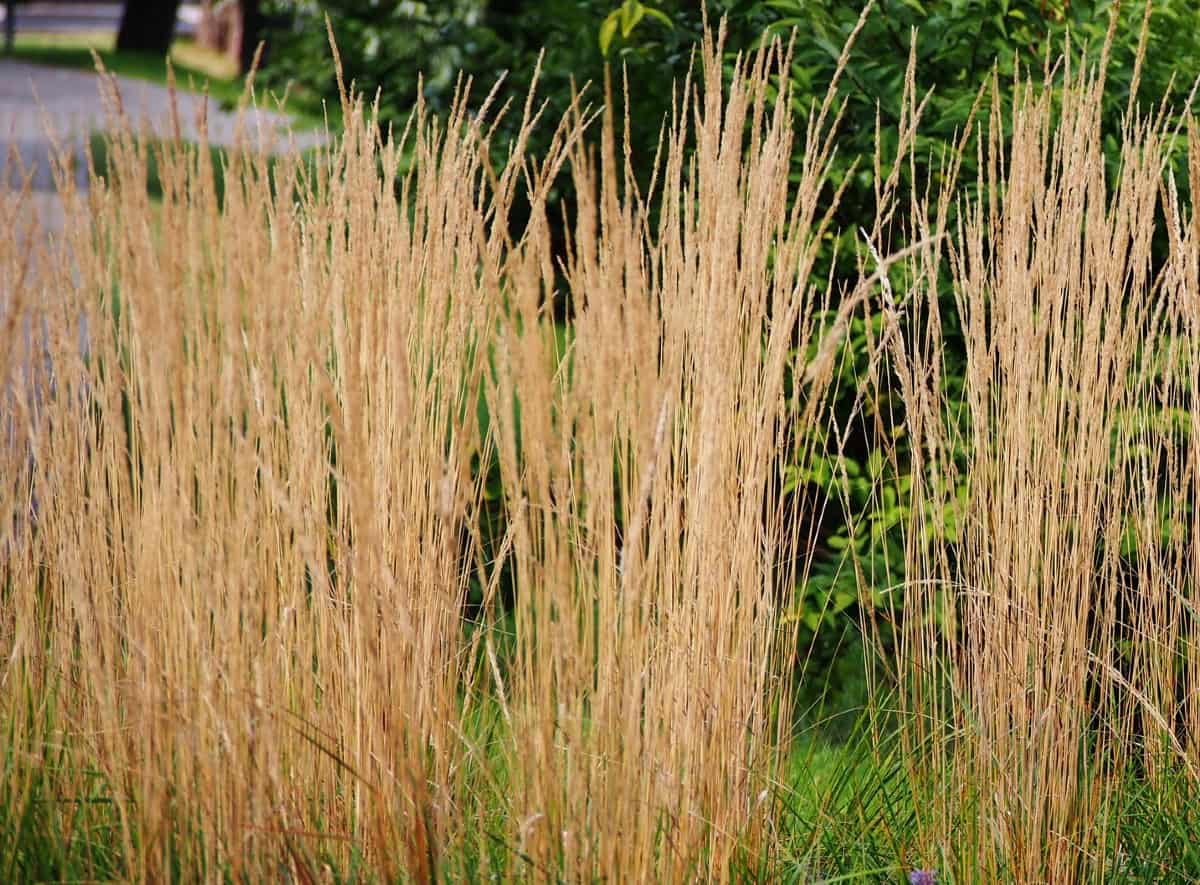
(36, 101)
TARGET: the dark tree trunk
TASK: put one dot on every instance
(148, 25)
(10, 24)
(253, 27)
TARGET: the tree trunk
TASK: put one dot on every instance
(148, 25)
(10, 25)
(253, 22)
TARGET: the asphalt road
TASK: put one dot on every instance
(46, 112)
(40, 104)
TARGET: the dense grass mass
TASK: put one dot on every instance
(252, 627)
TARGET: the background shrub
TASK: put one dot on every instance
(412, 48)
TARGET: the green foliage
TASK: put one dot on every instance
(402, 49)
(1158, 837)
(46, 835)
(960, 46)
(626, 17)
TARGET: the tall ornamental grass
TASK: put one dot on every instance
(245, 450)
(327, 553)
(1047, 654)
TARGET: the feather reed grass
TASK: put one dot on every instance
(245, 445)
(1047, 647)
(241, 498)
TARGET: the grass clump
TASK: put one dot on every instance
(1048, 645)
(241, 519)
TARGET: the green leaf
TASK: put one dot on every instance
(791, 480)
(608, 30)
(875, 463)
(660, 16)
(632, 12)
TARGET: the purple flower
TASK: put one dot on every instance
(922, 877)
